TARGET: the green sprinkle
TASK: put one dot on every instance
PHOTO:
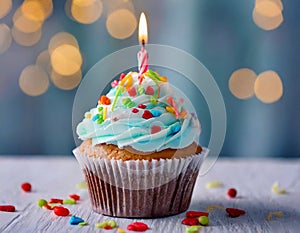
(101, 224)
(140, 90)
(126, 101)
(112, 223)
(192, 229)
(100, 109)
(131, 104)
(82, 224)
(100, 120)
(153, 100)
(203, 220)
(41, 202)
(69, 202)
(81, 185)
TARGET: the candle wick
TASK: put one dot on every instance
(143, 43)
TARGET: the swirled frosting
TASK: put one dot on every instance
(143, 112)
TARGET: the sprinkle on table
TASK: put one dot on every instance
(278, 214)
(276, 189)
(213, 184)
(213, 207)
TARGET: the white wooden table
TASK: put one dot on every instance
(58, 176)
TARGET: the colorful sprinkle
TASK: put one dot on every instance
(48, 207)
(114, 83)
(233, 212)
(149, 90)
(277, 190)
(278, 214)
(135, 110)
(175, 129)
(55, 201)
(7, 208)
(196, 214)
(132, 91)
(213, 207)
(69, 202)
(155, 113)
(88, 115)
(122, 76)
(143, 106)
(108, 225)
(82, 224)
(96, 117)
(147, 114)
(155, 129)
(41, 202)
(61, 211)
(190, 221)
(104, 113)
(140, 90)
(203, 220)
(232, 192)
(137, 226)
(120, 230)
(170, 109)
(104, 100)
(75, 220)
(193, 229)
(75, 197)
(182, 114)
(26, 187)
(81, 185)
(213, 184)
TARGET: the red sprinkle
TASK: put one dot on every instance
(122, 76)
(61, 211)
(55, 201)
(190, 221)
(137, 226)
(149, 90)
(232, 192)
(233, 212)
(132, 91)
(26, 187)
(155, 129)
(147, 114)
(48, 207)
(75, 197)
(7, 208)
(143, 106)
(196, 214)
(135, 110)
(107, 227)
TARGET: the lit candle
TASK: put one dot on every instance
(143, 39)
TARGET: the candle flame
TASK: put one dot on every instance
(143, 31)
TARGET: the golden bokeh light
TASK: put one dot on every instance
(26, 39)
(268, 87)
(66, 59)
(33, 80)
(121, 23)
(37, 10)
(43, 60)
(267, 23)
(86, 11)
(5, 38)
(66, 82)
(277, 2)
(5, 7)
(241, 83)
(62, 38)
(25, 24)
(267, 8)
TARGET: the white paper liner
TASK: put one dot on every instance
(139, 174)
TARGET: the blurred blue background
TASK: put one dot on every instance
(221, 34)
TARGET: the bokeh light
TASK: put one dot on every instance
(121, 23)
(25, 24)
(26, 39)
(33, 80)
(5, 7)
(241, 83)
(43, 60)
(66, 82)
(86, 11)
(66, 59)
(267, 14)
(5, 38)
(62, 38)
(268, 87)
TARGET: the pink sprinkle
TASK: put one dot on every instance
(132, 91)
(114, 83)
(155, 129)
(149, 90)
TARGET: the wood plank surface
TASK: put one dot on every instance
(57, 176)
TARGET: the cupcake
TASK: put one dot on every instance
(140, 154)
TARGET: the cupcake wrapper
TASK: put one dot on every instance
(140, 188)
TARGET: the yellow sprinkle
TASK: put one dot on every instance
(128, 76)
(88, 115)
(213, 184)
(277, 190)
(213, 207)
(104, 113)
(279, 214)
(81, 185)
(129, 82)
(120, 230)
(170, 109)
(163, 79)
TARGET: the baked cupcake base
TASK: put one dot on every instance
(140, 189)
